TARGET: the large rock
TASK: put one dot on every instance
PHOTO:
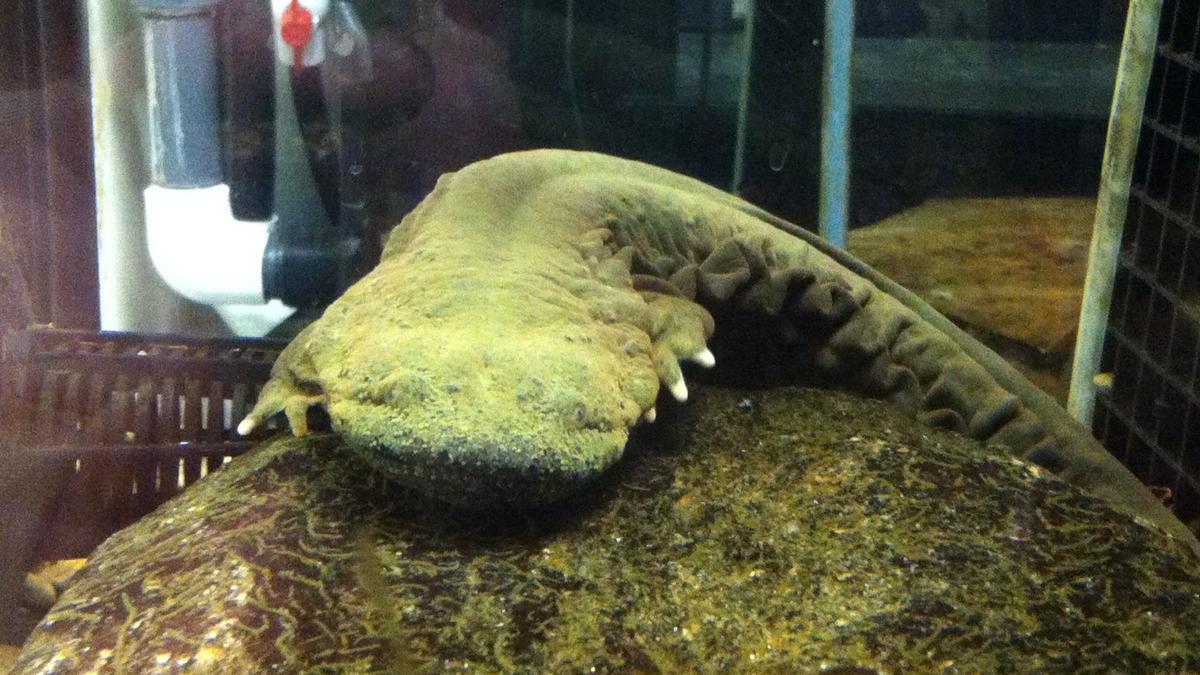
(788, 529)
(1006, 267)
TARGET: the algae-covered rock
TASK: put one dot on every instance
(1025, 286)
(785, 530)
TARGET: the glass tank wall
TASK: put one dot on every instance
(185, 185)
(976, 99)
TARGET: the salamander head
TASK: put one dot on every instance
(517, 419)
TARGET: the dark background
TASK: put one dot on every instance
(460, 80)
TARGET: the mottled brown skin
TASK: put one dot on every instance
(522, 318)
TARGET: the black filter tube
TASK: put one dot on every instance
(322, 140)
(248, 58)
(305, 265)
(307, 269)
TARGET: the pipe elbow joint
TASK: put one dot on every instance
(200, 250)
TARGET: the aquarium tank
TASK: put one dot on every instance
(661, 336)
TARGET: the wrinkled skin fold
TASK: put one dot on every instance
(524, 317)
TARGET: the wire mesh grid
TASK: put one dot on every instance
(1150, 416)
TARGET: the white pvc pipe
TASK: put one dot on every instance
(157, 250)
(200, 250)
(207, 256)
(132, 297)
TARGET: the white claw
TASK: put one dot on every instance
(247, 425)
(650, 415)
(704, 358)
(678, 390)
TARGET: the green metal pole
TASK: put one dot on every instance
(743, 115)
(1124, 126)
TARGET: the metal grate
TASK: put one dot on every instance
(1150, 418)
(118, 423)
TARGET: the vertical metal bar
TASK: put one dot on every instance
(28, 192)
(835, 120)
(70, 187)
(739, 149)
(1125, 121)
(569, 71)
(706, 54)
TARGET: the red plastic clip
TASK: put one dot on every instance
(296, 26)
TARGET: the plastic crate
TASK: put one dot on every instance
(114, 424)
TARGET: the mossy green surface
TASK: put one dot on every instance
(782, 530)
